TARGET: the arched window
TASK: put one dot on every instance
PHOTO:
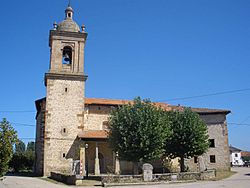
(67, 55)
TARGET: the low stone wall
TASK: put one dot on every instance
(121, 179)
(168, 177)
(206, 175)
(126, 179)
(68, 179)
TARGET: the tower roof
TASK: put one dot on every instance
(68, 24)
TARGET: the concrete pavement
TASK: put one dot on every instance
(27, 182)
(239, 180)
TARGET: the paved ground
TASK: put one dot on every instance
(239, 180)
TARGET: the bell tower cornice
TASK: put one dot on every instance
(59, 35)
(67, 43)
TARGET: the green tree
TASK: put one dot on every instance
(8, 137)
(138, 131)
(23, 160)
(30, 155)
(189, 138)
(245, 158)
(18, 161)
(20, 146)
(31, 146)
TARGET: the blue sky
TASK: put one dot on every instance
(157, 49)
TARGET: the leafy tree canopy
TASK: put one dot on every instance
(190, 136)
(31, 146)
(20, 146)
(23, 160)
(8, 137)
(138, 131)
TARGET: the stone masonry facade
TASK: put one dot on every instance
(72, 127)
(63, 117)
(96, 117)
(217, 130)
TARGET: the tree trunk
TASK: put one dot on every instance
(182, 164)
(135, 168)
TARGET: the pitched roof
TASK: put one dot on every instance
(234, 149)
(116, 102)
(245, 153)
(105, 101)
(93, 134)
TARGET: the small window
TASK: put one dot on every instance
(212, 159)
(211, 143)
(64, 155)
(236, 154)
(105, 125)
(64, 131)
(195, 159)
(66, 89)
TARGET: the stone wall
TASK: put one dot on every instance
(65, 178)
(95, 116)
(217, 130)
(39, 147)
(168, 177)
(64, 114)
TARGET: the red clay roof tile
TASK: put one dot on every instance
(100, 101)
(99, 134)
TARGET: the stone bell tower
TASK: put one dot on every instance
(65, 82)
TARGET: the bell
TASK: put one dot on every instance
(66, 58)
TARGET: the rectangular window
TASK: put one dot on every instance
(211, 143)
(236, 154)
(195, 159)
(212, 159)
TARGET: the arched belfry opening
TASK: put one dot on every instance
(67, 55)
(69, 15)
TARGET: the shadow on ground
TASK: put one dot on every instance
(22, 174)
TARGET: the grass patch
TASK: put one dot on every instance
(220, 175)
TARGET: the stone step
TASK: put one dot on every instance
(88, 182)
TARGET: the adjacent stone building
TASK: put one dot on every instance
(71, 130)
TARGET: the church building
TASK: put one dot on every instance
(71, 130)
